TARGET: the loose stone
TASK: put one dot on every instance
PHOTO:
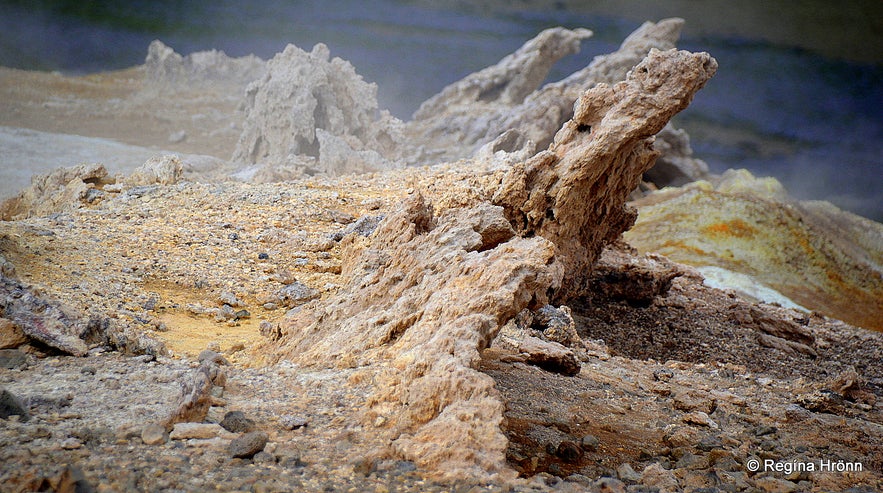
(236, 422)
(247, 445)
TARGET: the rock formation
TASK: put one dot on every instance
(165, 69)
(310, 115)
(427, 292)
(574, 194)
(315, 114)
(483, 107)
(56, 191)
(751, 226)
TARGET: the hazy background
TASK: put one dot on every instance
(798, 96)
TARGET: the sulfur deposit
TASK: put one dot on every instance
(452, 303)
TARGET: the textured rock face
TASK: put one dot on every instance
(574, 194)
(315, 114)
(426, 293)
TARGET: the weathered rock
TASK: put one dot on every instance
(425, 292)
(363, 226)
(10, 335)
(852, 387)
(195, 399)
(405, 308)
(635, 279)
(550, 356)
(247, 445)
(316, 114)
(484, 106)
(56, 191)
(162, 170)
(154, 434)
(775, 332)
(212, 357)
(236, 422)
(456, 121)
(291, 422)
(164, 68)
(296, 293)
(72, 480)
(186, 431)
(43, 320)
(656, 476)
(568, 194)
(13, 359)
(11, 405)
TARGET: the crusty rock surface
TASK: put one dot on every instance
(574, 194)
(58, 190)
(316, 114)
(165, 69)
(426, 293)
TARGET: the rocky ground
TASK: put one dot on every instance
(181, 301)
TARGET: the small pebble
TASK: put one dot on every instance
(264, 457)
(569, 451)
(590, 443)
(212, 356)
(71, 444)
(627, 473)
(154, 434)
(290, 422)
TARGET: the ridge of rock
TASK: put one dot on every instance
(426, 293)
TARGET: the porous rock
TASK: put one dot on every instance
(317, 115)
(503, 107)
(248, 444)
(41, 319)
(164, 68)
(196, 395)
(426, 292)
(236, 422)
(549, 355)
(162, 170)
(185, 431)
(56, 191)
(574, 193)
(424, 297)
